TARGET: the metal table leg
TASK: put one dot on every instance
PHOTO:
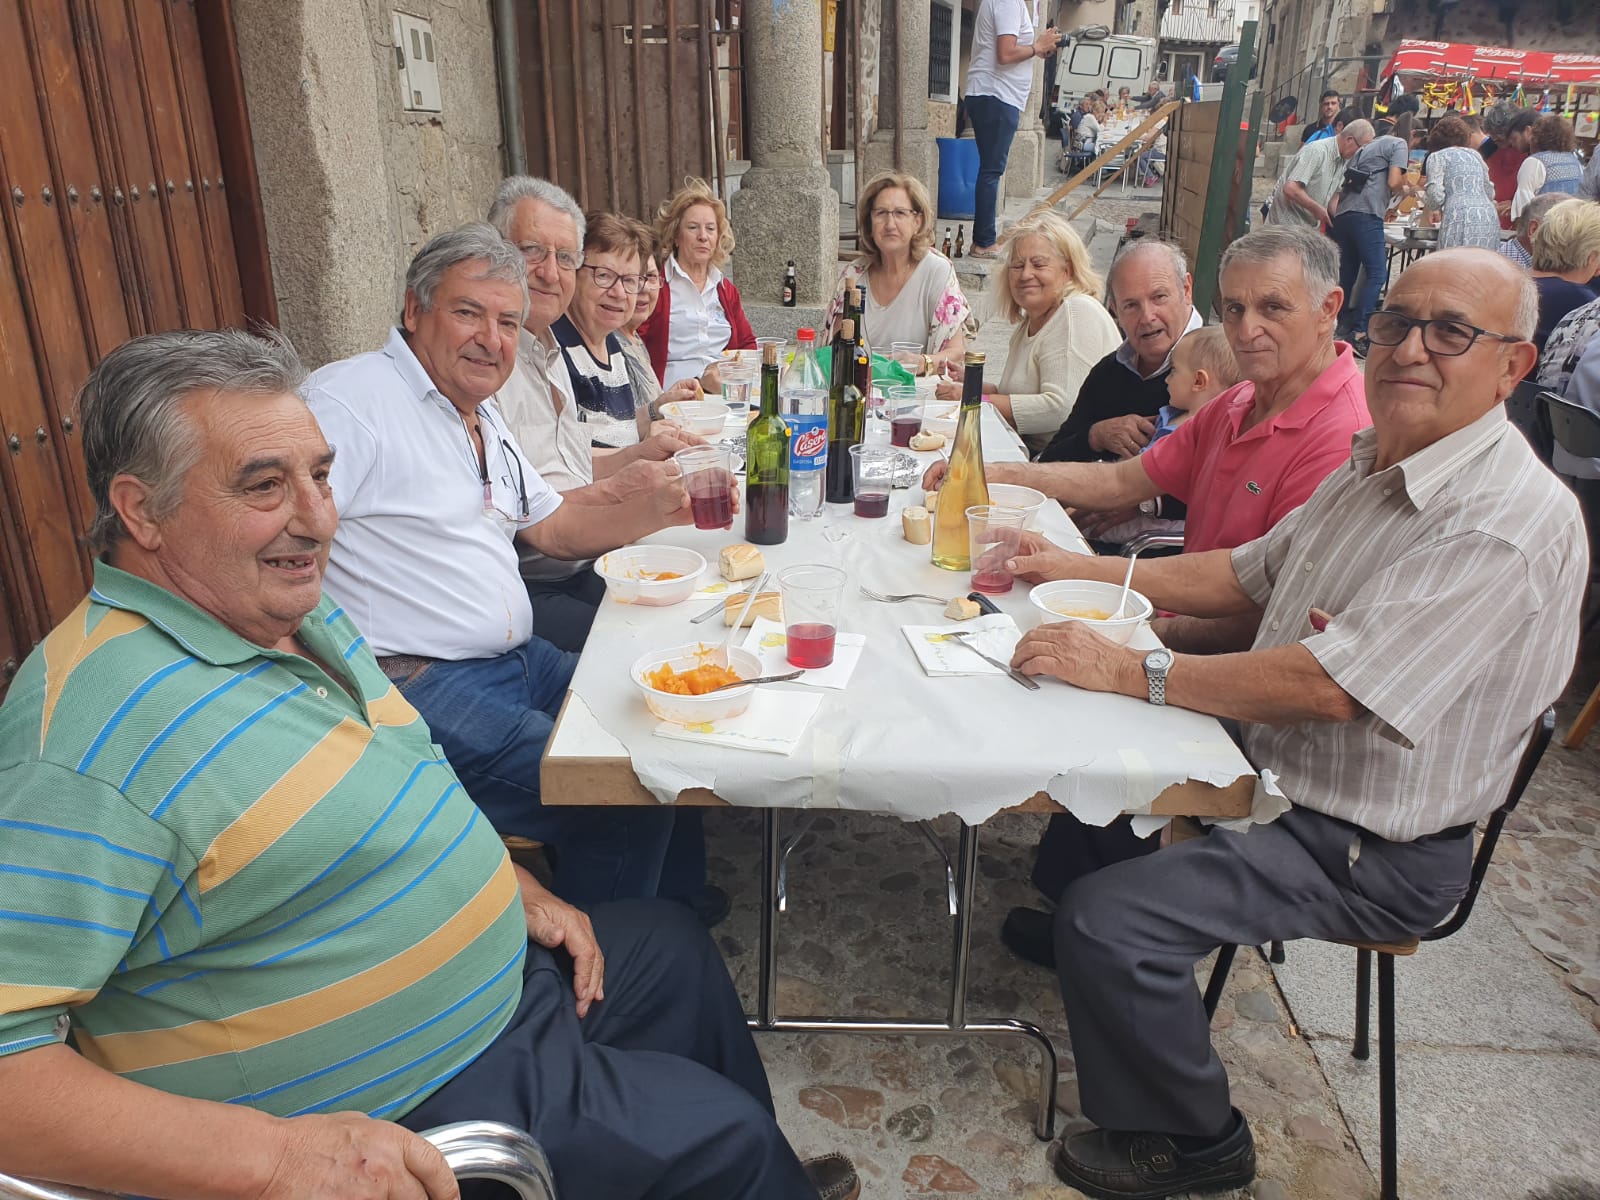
(957, 1025)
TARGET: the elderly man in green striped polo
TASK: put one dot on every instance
(237, 871)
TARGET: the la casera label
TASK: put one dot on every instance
(808, 448)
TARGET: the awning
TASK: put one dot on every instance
(1453, 60)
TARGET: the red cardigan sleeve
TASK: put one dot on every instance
(655, 328)
(743, 336)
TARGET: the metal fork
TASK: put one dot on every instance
(901, 599)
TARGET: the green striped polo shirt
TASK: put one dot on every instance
(237, 877)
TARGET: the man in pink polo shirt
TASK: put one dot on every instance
(1241, 464)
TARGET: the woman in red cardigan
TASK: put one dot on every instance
(699, 315)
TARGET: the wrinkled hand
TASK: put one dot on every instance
(684, 391)
(711, 381)
(1093, 524)
(1073, 653)
(1123, 436)
(1038, 560)
(934, 475)
(1049, 39)
(350, 1156)
(553, 923)
(947, 392)
(665, 440)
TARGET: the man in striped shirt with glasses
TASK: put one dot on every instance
(1418, 613)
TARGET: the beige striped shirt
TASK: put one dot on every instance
(1454, 580)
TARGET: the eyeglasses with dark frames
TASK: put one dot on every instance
(605, 279)
(1442, 336)
(536, 252)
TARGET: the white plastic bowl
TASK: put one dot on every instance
(626, 574)
(703, 418)
(1051, 599)
(696, 710)
(1015, 495)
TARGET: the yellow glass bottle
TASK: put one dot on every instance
(964, 484)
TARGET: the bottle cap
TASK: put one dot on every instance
(806, 335)
(975, 358)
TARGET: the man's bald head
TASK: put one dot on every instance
(1505, 284)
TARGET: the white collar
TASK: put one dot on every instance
(713, 275)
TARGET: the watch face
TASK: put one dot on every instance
(1158, 660)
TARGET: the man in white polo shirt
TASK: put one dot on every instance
(433, 496)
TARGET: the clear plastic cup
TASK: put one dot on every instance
(994, 535)
(708, 478)
(811, 598)
(872, 469)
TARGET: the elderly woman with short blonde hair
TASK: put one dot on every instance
(913, 295)
(1045, 286)
(699, 314)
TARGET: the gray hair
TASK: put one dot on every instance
(1497, 119)
(1360, 131)
(1538, 208)
(134, 423)
(1526, 322)
(514, 189)
(1316, 254)
(1170, 252)
(472, 242)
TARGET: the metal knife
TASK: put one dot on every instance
(1025, 680)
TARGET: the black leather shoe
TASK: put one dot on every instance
(708, 902)
(834, 1176)
(1030, 934)
(1150, 1166)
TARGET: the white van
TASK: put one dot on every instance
(1113, 62)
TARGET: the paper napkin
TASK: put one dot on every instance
(767, 642)
(773, 724)
(941, 654)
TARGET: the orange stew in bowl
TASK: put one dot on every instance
(695, 682)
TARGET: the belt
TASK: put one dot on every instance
(407, 666)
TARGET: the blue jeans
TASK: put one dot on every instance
(492, 717)
(1359, 237)
(994, 124)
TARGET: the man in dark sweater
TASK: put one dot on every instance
(1114, 416)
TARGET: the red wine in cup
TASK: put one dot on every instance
(903, 429)
(810, 645)
(710, 501)
(872, 504)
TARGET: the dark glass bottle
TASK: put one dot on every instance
(766, 470)
(847, 414)
(791, 286)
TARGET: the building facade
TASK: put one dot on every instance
(1192, 31)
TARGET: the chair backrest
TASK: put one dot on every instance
(1526, 409)
(1538, 741)
(1575, 428)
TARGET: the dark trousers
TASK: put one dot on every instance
(1359, 237)
(658, 1093)
(493, 716)
(1129, 934)
(994, 124)
(563, 609)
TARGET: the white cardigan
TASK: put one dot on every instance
(1045, 370)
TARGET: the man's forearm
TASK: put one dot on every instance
(1208, 635)
(64, 1119)
(1097, 486)
(577, 531)
(608, 461)
(1295, 192)
(1197, 585)
(1285, 685)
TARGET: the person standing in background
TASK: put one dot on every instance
(1327, 122)
(999, 79)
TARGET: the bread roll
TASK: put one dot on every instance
(917, 525)
(767, 604)
(740, 561)
(962, 609)
(927, 441)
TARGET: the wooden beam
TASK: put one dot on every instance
(1150, 122)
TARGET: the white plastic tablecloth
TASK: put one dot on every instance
(896, 741)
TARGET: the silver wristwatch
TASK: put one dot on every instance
(1156, 665)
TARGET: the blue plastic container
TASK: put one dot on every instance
(958, 178)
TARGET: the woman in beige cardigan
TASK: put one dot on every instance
(1043, 284)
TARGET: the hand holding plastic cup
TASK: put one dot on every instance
(995, 537)
(811, 596)
(708, 478)
(908, 354)
(739, 372)
(873, 471)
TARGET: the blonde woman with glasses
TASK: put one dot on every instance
(913, 296)
(1046, 287)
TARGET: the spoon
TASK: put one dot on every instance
(1127, 581)
(738, 624)
(763, 679)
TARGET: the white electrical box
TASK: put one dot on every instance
(417, 57)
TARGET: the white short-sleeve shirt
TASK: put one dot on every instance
(423, 559)
(986, 74)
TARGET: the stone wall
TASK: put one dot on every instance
(351, 184)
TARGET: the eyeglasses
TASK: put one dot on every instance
(605, 279)
(892, 214)
(1443, 337)
(536, 252)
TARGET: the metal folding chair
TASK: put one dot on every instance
(1576, 430)
(474, 1150)
(1387, 952)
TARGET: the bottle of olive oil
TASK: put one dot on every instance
(964, 484)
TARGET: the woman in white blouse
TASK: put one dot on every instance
(699, 314)
(1048, 289)
(912, 292)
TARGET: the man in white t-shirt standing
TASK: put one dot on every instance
(999, 79)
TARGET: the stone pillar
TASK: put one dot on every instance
(785, 207)
(1025, 168)
(903, 86)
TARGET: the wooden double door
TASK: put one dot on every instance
(128, 192)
